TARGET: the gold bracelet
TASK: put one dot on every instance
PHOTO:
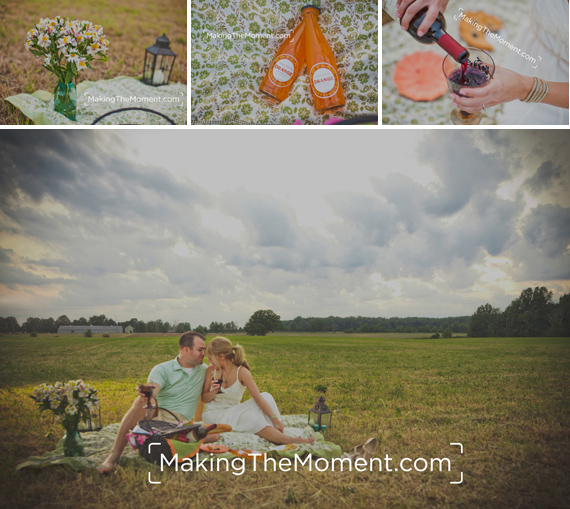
(544, 91)
(529, 96)
(272, 416)
(538, 91)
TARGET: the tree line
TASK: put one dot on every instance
(263, 320)
(49, 325)
(457, 324)
(531, 314)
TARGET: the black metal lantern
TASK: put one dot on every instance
(158, 62)
(93, 422)
(320, 416)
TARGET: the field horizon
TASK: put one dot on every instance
(506, 400)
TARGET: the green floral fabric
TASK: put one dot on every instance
(226, 71)
(396, 43)
(97, 98)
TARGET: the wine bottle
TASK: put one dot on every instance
(202, 431)
(285, 67)
(321, 64)
(435, 34)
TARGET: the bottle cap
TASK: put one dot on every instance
(313, 6)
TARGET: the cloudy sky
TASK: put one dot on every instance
(214, 225)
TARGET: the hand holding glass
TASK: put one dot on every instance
(146, 388)
(218, 381)
(477, 72)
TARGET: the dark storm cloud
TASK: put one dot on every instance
(547, 228)
(464, 170)
(368, 220)
(12, 276)
(43, 163)
(268, 223)
(488, 224)
(406, 196)
(545, 176)
(445, 228)
(80, 170)
(6, 255)
(117, 216)
(275, 240)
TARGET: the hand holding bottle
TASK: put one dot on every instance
(415, 15)
(407, 9)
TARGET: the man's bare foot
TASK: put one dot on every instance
(213, 437)
(107, 466)
(301, 440)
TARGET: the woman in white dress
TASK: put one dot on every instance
(257, 415)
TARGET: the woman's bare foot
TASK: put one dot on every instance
(301, 440)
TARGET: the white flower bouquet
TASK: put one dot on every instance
(67, 46)
(71, 403)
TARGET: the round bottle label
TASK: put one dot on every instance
(324, 80)
(283, 70)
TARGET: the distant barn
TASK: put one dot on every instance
(95, 329)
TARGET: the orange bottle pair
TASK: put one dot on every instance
(307, 42)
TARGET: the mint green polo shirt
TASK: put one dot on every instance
(179, 391)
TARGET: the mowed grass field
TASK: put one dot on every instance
(129, 26)
(507, 400)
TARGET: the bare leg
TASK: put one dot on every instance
(136, 413)
(275, 436)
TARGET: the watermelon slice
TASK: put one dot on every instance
(419, 76)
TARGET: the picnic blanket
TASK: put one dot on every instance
(230, 57)
(98, 444)
(95, 98)
(397, 109)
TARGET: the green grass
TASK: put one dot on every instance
(507, 400)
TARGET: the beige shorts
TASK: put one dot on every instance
(161, 415)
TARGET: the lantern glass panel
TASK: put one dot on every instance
(149, 65)
(326, 420)
(314, 419)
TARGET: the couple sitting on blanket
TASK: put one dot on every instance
(179, 383)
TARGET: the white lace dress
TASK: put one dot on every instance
(545, 38)
(246, 417)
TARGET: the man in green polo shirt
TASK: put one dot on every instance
(177, 387)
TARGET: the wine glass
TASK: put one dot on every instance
(477, 72)
(218, 381)
(146, 387)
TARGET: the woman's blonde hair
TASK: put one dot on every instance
(223, 346)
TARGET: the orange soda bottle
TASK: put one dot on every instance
(286, 65)
(321, 65)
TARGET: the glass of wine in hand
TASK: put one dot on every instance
(477, 71)
(218, 381)
(146, 387)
